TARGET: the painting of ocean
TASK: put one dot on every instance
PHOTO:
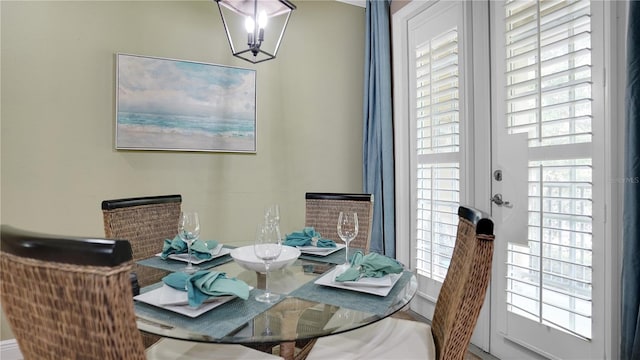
(165, 104)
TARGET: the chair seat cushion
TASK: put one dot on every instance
(390, 338)
(171, 349)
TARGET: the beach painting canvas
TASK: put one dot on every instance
(166, 104)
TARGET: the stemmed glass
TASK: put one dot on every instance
(347, 230)
(272, 214)
(267, 248)
(189, 230)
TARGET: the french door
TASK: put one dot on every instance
(503, 108)
(446, 137)
(547, 155)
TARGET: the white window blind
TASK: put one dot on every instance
(548, 46)
(438, 147)
(548, 87)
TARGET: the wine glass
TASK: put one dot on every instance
(272, 214)
(267, 248)
(189, 230)
(347, 230)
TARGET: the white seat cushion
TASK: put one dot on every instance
(390, 338)
(170, 349)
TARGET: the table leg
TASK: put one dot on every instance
(290, 311)
(288, 350)
(261, 282)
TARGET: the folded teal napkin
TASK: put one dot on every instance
(205, 284)
(371, 265)
(308, 237)
(200, 249)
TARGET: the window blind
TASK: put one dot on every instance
(438, 145)
(548, 96)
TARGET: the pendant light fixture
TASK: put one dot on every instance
(255, 28)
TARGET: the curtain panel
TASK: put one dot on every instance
(378, 167)
(630, 332)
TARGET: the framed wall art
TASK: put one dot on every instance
(179, 105)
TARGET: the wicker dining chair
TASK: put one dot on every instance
(455, 315)
(71, 298)
(322, 210)
(146, 222)
(68, 298)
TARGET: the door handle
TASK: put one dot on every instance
(497, 199)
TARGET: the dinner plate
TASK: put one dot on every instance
(175, 300)
(320, 251)
(384, 281)
(376, 286)
(216, 252)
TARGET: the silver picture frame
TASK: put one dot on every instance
(181, 105)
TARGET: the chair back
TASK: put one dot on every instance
(68, 297)
(146, 222)
(322, 210)
(464, 288)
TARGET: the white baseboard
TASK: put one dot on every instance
(9, 350)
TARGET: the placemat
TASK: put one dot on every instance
(176, 265)
(216, 323)
(351, 299)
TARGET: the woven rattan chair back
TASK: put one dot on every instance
(146, 222)
(322, 210)
(68, 298)
(465, 285)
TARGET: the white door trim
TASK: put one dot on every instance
(9, 350)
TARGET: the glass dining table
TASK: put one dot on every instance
(310, 306)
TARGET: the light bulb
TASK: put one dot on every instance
(249, 24)
(262, 19)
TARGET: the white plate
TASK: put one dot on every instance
(320, 251)
(218, 251)
(376, 286)
(384, 281)
(175, 300)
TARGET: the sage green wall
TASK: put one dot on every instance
(57, 115)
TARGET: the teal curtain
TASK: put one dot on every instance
(378, 168)
(630, 332)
